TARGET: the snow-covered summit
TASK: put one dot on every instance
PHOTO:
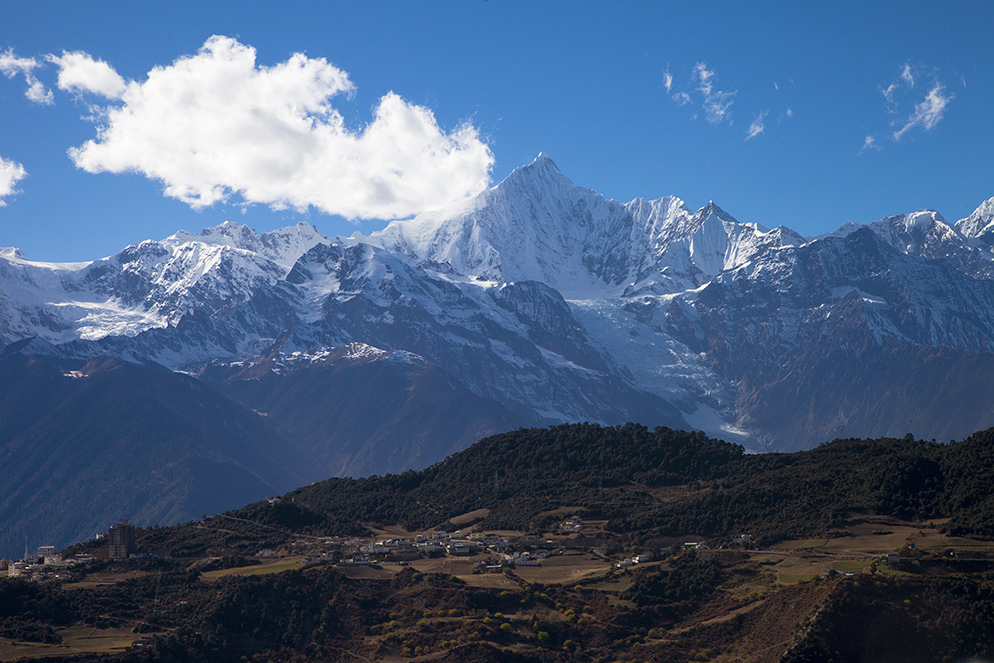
(926, 234)
(535, 225)
(228, 233)
(980, 223)
(538, 225)
(283, 246)
(542, 295)
(916, 233)
(152, 285)
(11, 253)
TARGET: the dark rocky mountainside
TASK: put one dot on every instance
(364, 411)
(85, 444)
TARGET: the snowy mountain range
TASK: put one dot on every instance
(547, 302)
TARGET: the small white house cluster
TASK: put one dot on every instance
(45, 564)
(364, 552)
(631, 561)
(526, 558)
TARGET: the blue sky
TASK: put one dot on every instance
(801, 114)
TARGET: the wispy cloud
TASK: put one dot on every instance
(870, 143)
(888, 93)
(216, 125)
(912, 111)
(710, 97)
(11, 173)
(12, 65)
(757, 127)
(906, 75)
(928, 112)
(717, 104)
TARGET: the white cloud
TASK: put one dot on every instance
(906, 75)
(11, 173)
(757, 127)
(870, 143)
(900, 96)
(717, 107)
(704, 76)
(928, 112)
(790, 112)
(214, 125)
(668, 81)
(79, 72)
(11, 66)
(888, 93)
(717, 103)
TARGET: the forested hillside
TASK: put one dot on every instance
(661, 483)
(847, 545)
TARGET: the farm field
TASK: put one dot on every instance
(75, 640)
(857, 548)
(287, 564)
(860, 547)
(102, 579)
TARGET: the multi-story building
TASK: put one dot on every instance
(121, 540)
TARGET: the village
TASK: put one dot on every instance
(577, 551)
(582, 548)
(45, 564)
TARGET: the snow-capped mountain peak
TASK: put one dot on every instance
(534, 225)
(914, 233)
(542, 173)
(228, 233)
(927, 234)
(545, 296)
(980, 223)
(538, 225)
(283, 246)
(712, 211)
(11, 253)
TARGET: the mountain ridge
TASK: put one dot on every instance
(537, 294)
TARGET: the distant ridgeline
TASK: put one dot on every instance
(645, 483)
